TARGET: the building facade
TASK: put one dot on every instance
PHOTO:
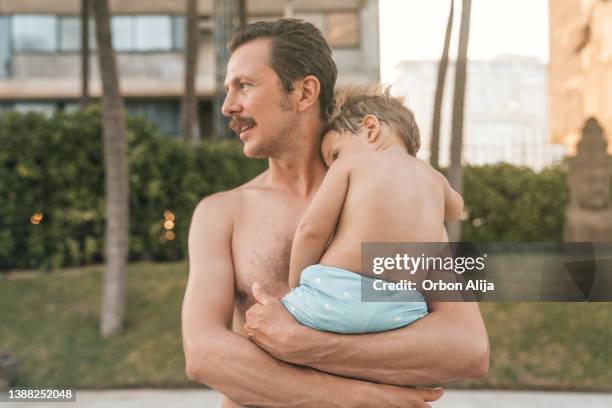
(506, 110)
(580, 68)
(40, 51)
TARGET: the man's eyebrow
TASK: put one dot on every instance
(227, 83)
(235, 81)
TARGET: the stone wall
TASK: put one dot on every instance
(580, 77)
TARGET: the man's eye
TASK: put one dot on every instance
(244, 85)
(335, 155)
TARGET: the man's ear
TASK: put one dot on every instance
(309, 89)
(371, 125)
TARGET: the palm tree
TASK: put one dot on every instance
(191, 133)
(455, 172)
(84, 53)
(225, 12)
(116, 170)
(437, 111)
(242, 12)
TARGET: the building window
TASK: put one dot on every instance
(70, 34)
(52, 33)
(153, 33)
(178, 28)
(123, 33)
(45, 108)
(164, 114)
(316, 19)
(146, 33)
(5, 46)
(34, 33)
(342, 29)
(5, 107)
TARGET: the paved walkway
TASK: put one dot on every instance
(211, 399)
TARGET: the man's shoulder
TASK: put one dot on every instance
(227, 203)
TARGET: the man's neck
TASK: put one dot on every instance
(300, 168)
(302, 171)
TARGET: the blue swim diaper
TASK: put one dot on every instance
(329, 299)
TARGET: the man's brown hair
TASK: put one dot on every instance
(298, 50)
(356, 103)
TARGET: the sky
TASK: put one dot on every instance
(414, 30)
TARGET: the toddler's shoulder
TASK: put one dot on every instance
(348, 161)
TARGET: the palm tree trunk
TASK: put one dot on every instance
(191, 132)
(289, 11)
(224, 25)
(116, 170)
(434, 157)
(242, 12)
(455, 173)
(84, 53)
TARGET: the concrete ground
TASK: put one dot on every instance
(209, 399)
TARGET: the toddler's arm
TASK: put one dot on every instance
(319, 221)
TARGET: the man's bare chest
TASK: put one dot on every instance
(261, 249)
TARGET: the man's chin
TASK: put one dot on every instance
(252, 152)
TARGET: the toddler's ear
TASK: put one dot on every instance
(371, 124)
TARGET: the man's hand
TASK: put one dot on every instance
(394, 396)
(270, 326)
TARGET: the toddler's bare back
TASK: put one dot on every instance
(391, 197)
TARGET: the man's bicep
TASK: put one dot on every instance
(209, 297)
(455, 206)
(453, 203)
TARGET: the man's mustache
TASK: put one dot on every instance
(237, 123)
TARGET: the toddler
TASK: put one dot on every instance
(375, 190)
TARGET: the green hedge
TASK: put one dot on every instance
(54, 166)
(510, 203)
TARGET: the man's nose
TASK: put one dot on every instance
(230, 106)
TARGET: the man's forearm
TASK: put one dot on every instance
(234, 366)
(445, 344)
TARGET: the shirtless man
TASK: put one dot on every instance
(279, 83)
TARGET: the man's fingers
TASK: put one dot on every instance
(253, 317)
(250, 332)
(248, 316)
(430, 394)
(261, 295)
